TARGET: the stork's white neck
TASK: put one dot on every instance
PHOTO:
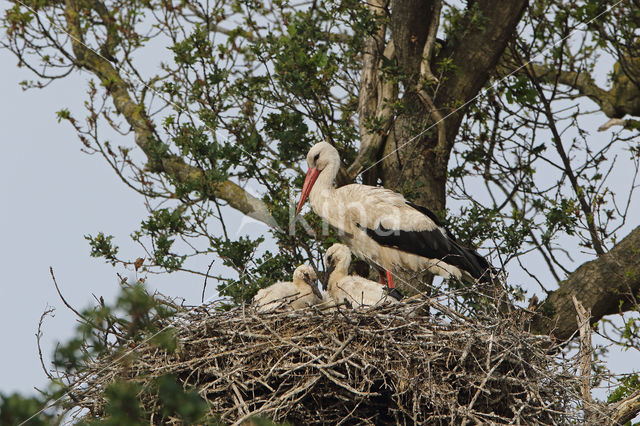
(341, 271)
(333, 281)
(323, 188)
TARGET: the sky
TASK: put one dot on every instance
(51, 195)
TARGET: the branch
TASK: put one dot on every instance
(425, 64)
(605, 286)
(626, 409)
(557, 141)
(135, 114)
(382, 96)
(373, 48)
(474, 55)
(376, 92)
(628, 124)
(437, 117)
(580, 81)
(615, 103)
(427, 77)
(582, 318)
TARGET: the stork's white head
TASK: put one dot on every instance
(338, 258)
(306, 274)
(322, 156)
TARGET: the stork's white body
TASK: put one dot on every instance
(358, 291)
(382, 227)
(289, 295)
(354, 208)
(352, 289)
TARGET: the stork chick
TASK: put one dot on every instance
(352, 289)
(300, 293)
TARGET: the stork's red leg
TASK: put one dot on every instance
(383, 276)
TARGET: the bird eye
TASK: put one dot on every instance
(315, 159)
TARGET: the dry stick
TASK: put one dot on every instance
(300, 388)
(582, 318)
(239, 398)
(484, 382)
(204, 287)
(65, 301)
(48, 311)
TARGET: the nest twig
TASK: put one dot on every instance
(388, 365)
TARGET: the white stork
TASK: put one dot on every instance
(352, 289)
(300, 293)
(380, 226)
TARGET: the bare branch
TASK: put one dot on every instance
(581, 81)
(582, 318)
(578, 190)
(425, 64)
(376, 92)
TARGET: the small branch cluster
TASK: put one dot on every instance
(409, 363)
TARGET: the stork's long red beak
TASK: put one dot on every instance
(312, 175)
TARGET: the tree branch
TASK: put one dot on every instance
(386, 91)
(586, 349)
(628, 124)
(373, 48)
(136, 116)
(580, 81)
(376, 92)
(473, 57)
(626, 409)
(605, 286)
(425, 64)
(621, 99)
(557, 141)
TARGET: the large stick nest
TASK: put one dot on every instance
(389, 365)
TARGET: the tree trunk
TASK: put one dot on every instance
(415, 159)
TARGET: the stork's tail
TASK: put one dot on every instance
(478, 267)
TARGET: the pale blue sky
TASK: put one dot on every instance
(51, 196)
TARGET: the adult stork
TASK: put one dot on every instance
(300, 293)
(353, 289)
(380, 226)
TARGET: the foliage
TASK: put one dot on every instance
(135, 316)
(629, 385)
(247, 87)
(15, 408)
(123, 403)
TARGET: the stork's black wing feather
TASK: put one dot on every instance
(425, 211)
(395, 293)
(435, 244)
